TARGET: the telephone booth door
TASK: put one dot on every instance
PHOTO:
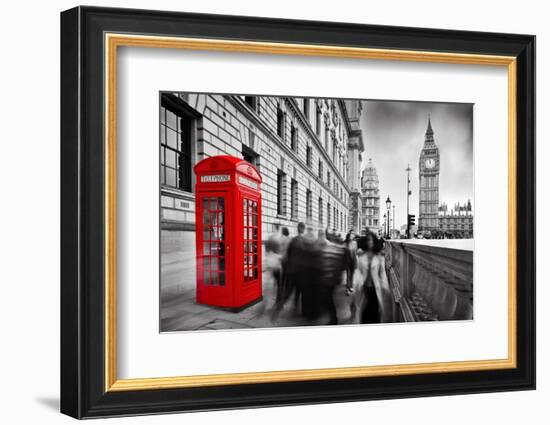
(251, 287)
(214, 260)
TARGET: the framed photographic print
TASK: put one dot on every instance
(261, 212)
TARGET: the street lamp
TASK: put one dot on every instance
(393, 221)
(388, 207)
(409, 193)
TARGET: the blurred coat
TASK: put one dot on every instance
(380, 282)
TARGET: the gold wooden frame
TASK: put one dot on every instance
(113, 41)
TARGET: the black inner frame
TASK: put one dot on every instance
(82, 208)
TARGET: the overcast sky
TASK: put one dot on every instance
(393, 133)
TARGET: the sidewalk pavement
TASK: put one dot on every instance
(180, 312)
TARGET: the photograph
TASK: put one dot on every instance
(281, 211)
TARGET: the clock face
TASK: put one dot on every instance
(430, 163)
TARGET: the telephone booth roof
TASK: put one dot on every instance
(229, 164)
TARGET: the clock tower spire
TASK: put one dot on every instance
(429, 183)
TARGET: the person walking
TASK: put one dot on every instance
(373, 297)
(274, 268)
(331, 264)
(284, 240)
(350, 244)
(297, 267)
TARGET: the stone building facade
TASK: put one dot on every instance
(307, 150)
(370, 197)
(457, 222)
(356, 148)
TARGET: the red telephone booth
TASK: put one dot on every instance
(229, 231)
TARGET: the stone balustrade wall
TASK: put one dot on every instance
(429, 282)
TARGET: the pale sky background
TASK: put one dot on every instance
(393, 133)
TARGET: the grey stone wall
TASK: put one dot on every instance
(226, 124)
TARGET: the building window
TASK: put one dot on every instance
(335, 217)
(320, 206)
(320, 169)
(334, 150)
(253, 102)
(251, 156)
(294, 138)
(308, 156)
(293, 199)
(306, 107)
(309, 205)
(281, 192)
(176, 147)
(328, 215)
(327, 137)
(328, 178)
(318, 122)
(280, 123)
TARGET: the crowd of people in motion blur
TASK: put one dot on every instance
(309, 269)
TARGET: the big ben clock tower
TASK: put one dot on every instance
(429, 183)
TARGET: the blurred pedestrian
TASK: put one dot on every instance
(351, 246)
(297, 265)
(274, 268)
(373, 297)
(331, 263)
(284, 240)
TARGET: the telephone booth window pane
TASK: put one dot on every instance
(213, 263)
(211, 218)
(250, 240)
(214, 240)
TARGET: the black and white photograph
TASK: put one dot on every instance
(292, 211)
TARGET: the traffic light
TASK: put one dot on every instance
(410, 223)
